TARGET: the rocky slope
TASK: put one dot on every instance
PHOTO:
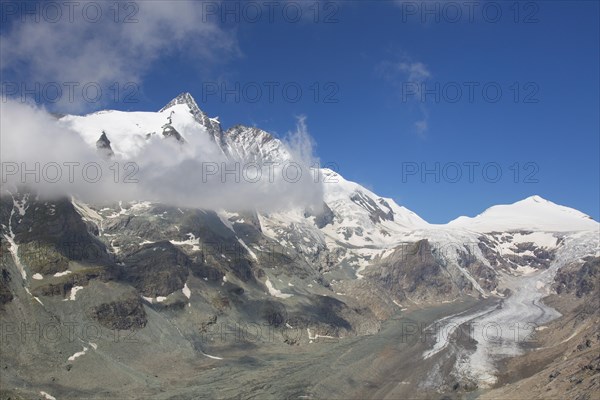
(131, 286)
(565, 362)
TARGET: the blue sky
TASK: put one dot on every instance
(364, 61)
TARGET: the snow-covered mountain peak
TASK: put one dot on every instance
(212, 125)
(130, 132)
(535, 199)
(183, 98)
(532, 213)
(365, 208)
(251, 144)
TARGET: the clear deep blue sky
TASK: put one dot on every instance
(370, 132)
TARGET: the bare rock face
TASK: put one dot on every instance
(377, 214)
(113, 305)
(579, 280)
(103, 146)
(60, 286)
(157, 269)
(52, 234)
(524, 254)
(43, 258)
(5, 293)
(123, 314)
(413, 273)
(206, 272)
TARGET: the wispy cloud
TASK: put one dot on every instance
(415, 71)
(118, 47)
(408, 76)
(421, 126)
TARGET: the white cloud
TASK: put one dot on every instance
(415, 71)
(421, 126)
(408, 75)
(168, 172)
(106, 51)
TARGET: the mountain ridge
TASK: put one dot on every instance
(246, 144)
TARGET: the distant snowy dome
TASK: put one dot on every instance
(533, 213)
